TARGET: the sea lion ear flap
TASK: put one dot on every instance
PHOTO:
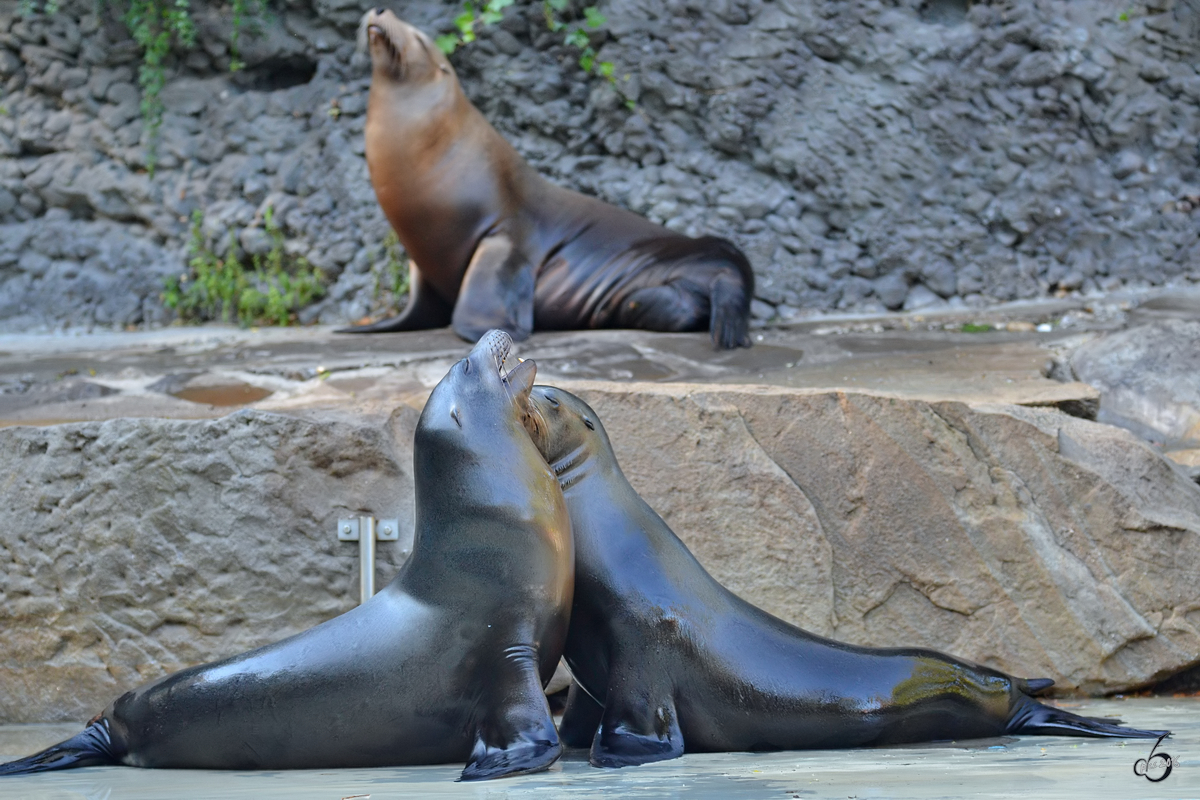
(496, 291)
(520, 380)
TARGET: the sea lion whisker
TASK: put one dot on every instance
(571, 460)
(360, 40)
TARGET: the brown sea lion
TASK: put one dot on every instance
(445, 664)
(498, 246)
(668, 661)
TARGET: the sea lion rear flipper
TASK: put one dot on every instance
(426, 309)
(729, 324)
(1027, 716)
(580, 719)
(636, 732)
(516, 735)
(93, 747)
(496, 292)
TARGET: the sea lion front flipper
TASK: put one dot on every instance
(636, 731)
(581, 718)
(496, 291)
(516, 735)
(426, 309)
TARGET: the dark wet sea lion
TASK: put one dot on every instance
(498, 246)
(445, 664)
(668, 661)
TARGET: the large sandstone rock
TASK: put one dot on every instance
(135, 547)
(1022, 538)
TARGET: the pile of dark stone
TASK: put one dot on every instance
(866, 154)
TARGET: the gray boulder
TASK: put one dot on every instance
(1149, 382)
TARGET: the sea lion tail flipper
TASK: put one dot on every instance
(517, 735)
(92, 747)
(729, 321)
(731, 293)
(1028, 716)
(580, 719)
(496, 292)
(632, 734)
(426, 309)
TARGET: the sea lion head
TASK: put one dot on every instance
(488, 507)
(567, 432)
(401, 54)
(477, 399)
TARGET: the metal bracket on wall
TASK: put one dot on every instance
(365, 531)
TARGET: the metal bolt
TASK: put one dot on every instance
(345, 529)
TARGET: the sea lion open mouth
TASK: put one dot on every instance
(518, 381)
(499, 343)
(374, 34)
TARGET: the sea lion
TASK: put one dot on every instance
(498, 246)
(446, 663)
(668, 661)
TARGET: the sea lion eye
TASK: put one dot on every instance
(552, 400)
(467, 365)
(589, 424)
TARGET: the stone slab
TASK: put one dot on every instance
(135, 547)
(1021, 538)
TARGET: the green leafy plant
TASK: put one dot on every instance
(490, 13)
(27, 8)
(469, 22)
(271, 292)
(390, 277)
(241, 10)
(393, 278)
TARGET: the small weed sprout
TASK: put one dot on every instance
(390, 279)
(271, 292)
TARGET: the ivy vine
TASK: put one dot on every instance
(157, 26)
(492, 11)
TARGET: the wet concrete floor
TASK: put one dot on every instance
(1034, 767)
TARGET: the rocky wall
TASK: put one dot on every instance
(865, 153)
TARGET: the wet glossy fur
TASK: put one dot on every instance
(445, 664)
(668, 661)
